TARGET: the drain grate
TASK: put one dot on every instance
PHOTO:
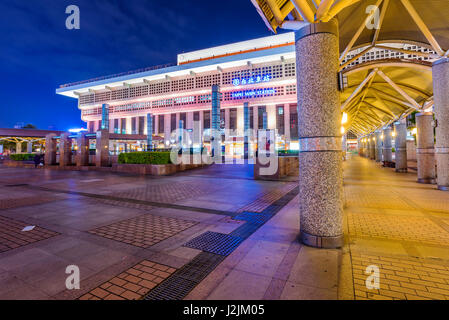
(214, 242)
(200, 266)
(174, 288)
(185, 279)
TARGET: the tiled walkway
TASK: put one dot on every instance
(399, 226)
(125, 233)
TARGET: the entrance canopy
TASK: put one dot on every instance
(377, 92)
(25, 135)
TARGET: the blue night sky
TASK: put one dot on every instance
(38, 53)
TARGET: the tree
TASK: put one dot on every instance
(29, 126)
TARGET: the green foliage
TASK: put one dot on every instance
(393, 149)
(144, 158)
(288, 152)
(29, 126)
(22, 157)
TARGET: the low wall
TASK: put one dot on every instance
(286, 166)
(19, 164)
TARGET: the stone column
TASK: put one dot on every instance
(425, 149)
(440, 71)
(50, 150)
(82, 154)
(149, 131)
(18, 147)
(65, 150)
(246, 130)
(102, 154)
(387, 152)
(378, 146)
(372, 147)
(29, 147)
(400, 144)
(287, 122)
(319, 119)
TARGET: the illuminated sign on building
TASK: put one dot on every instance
(251, 80)
(253, 93)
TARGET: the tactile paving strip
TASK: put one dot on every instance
(253, 217)
(215, 242)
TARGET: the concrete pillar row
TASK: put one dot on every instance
(378, 136)
(65, 150)
(320, 161)
(425, 149)
(372, 147)
(400, 144)
(82, 154)
(440, 71)
(102, 152)
(50, 150)
(18, 147)
(29, 147)
(387, 145)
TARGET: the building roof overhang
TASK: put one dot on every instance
(227, 61)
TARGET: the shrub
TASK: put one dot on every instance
(144, 158)
(22, 157)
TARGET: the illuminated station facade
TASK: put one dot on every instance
(260, 72)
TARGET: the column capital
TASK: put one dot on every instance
(440, 61)
(314, 28)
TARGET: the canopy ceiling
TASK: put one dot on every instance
(377, 92)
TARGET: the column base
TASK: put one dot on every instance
(321, 242)
(443, 188)
(426, 181)
(405, 170)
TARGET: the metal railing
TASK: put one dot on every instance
(122, 74)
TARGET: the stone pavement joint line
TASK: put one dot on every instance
(12, 236)
(143, 231)
(131, 284)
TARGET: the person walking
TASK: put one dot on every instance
(37, 160)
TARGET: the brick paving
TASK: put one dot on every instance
(170, 192)
(12, 236)
(401, 278)
(264, 201)
(10, 203)
(132, 284)
(395, 227)
(143, 231)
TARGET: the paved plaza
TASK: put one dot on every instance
(215, 233)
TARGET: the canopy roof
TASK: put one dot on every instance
(378, 92)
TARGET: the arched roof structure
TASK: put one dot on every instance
(377, 92)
